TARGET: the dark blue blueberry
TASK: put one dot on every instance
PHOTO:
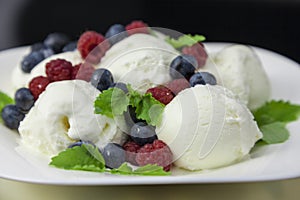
(114, 155)
(71, 46)
(47, 52)
(183, 66)
(130, 117)
(24, 99)
(202, 78)
(116, 33)
(31, 60)
(56, 41)
(79, 143)
(37, 46)
(142, 133)
(121, 86)
(102, 79)
(12, 116)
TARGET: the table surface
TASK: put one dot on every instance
(273, 190)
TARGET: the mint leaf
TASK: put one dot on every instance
(111, 102)
(277, 111)
(274, 133)
(85, 157)
(272, 119)
(185, 40)
(4, 100)
(114, 101)
(147, 170)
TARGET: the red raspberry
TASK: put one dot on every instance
(198, 51)
(156, 153)
(131, 148)
(137, 27)
(161, 94)
(87, 44)
(177, 85)
(37, 85)
(83, 71)
(59, 70)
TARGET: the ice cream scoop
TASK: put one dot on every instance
(63, 114)
(141, 60)
(207, 127)
(239, 69)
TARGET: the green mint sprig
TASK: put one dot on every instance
(88, 158)
(272, 119)
(185, 40)
(114, 102)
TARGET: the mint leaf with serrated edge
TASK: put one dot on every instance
(272, 119)
(185, 40)
(85, 157)
(4, 101)
(147, 170)
(114, 101)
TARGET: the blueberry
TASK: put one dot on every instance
(56, 41)
(130, 117)
(31, 60)
(116, 33)
(37, 46)
(71, 46)
(47, 52)
(24, 99)
(183, 65)
(114, 155)
(79, 143)
(142, 133)
(12, 116)
(102, 79)
(202, 78)
(121, 86)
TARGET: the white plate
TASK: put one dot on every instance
(273, 162)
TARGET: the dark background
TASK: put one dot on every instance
(271, 24)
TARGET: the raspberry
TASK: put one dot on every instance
(37, 85)
(87, 44)
(162, 94)
(198, 51)
(137, 27)
(83, 71)
(59, 70)
(156, 153)
(177, 85)
(131, 148)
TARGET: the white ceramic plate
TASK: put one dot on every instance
(273, 162)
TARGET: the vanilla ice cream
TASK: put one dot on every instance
(207, 127)
(63, 114)
(22, 79)
(239, 69)
(142, 60)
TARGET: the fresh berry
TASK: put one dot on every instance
(56, 41)
(116, 33)
(131, 148)
(83, 71)
(156, 153)
(71, 46)
(102, 79)
(183, 66)
(47, 52)
(12, 116)
(137, 27)
(202, 78)
(114, 155)
(37, 85)
(142, 133)
(37, 46)
(161, 94)
(31, 60)
(24, 99)
(177, 85)
(121, 86)
(79, 143)
(198, 51)
(130, 117)
(92, 46)
(59, 70)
